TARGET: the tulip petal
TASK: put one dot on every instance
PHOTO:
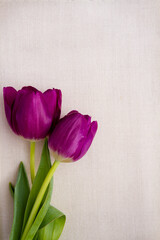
(88, 140)
(73, 112)
(31, 119)
(29, 89)
(68, 133)
(54, 98)
(88, 118)
(59, 102)
(9, 94)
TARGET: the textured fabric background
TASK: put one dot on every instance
(105, 56)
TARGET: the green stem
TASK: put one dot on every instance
(39, 198)
(32, 160)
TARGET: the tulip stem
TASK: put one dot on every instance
(39, 198)
(32, 160)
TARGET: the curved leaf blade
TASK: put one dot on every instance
(52, 225)
(20, 193)
(41, 214)
(43, 169)
(51, 215)
(11, 188)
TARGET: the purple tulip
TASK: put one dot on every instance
(31, 113)
(72, 137)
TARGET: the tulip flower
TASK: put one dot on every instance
(69, 141)
(72, 137)
(31, 113)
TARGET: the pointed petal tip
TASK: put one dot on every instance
(8, 90)
(9, 95)
(88, 118)
(29, 89)
(94, 127)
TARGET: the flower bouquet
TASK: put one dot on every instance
(35, 116)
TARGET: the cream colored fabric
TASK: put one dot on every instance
(105, 57)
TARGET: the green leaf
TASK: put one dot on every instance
(52, 225)
(21, 194)
(43, 169)
(52, 214)
(11, 188)
(41, 214)
(36, 237)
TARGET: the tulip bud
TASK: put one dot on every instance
(31, 113)
(72, 137)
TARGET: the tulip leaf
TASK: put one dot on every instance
(20, 193)
(11, 188)
(52, 225)
(41, 214)
(52, 215)
(36, 237)
(43, 169)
